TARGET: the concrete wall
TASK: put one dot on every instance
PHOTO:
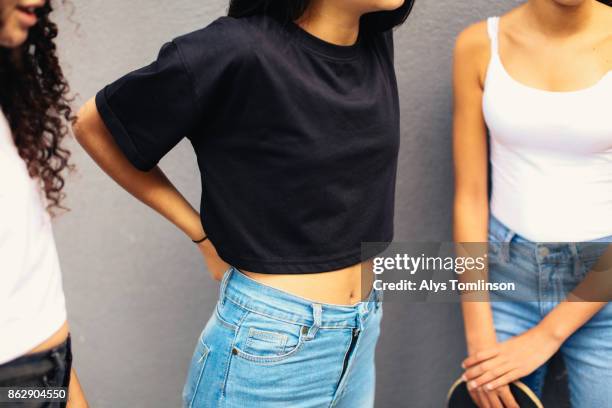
(138, 291)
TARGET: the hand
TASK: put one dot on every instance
(499, 398)
(509, 361)
(216, 266)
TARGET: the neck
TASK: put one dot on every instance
(554, 19)
(330, 23)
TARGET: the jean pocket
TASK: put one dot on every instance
(196, 373)
(264, 339)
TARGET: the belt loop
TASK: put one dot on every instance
(378, 299)
(577, 263)
(363, 311)
(224, 281)
(506, 245)
(373, 300)
(317, 311)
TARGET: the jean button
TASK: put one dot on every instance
(544, 251)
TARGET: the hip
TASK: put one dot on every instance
(42, 369)
(263, 346)
(346, 286)
(56, 339)
(540, 270)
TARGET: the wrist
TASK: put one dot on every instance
(483, 339)
(553, 333)
(200, 240)
(197, 234)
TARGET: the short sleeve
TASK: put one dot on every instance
(148, 111)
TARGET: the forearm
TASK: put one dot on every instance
(567, 317)
(470, 218)
(588, 298)
(152, 188)
(470, 226)
(479, 326)
(76, 396)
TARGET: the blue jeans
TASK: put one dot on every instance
(544, 274)
(264, 347)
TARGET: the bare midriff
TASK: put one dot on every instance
(338, 287)
(56, 339)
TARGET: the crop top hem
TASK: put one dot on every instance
(305, 266)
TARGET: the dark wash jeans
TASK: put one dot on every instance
(49, 368)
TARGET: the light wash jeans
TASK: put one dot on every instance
(545, 273)
(264, 347)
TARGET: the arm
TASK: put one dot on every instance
(76, 397)
(588, 298)
(521, 355)
(471, 207)
(152, 188)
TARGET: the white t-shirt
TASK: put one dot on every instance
(32, 306)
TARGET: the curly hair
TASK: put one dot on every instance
(34, 99)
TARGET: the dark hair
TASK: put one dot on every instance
(33, 96)
(606, 2)
(291, 10)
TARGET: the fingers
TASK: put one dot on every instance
(493, 399)
(479, 357)
(507, 398)
(487, 372)
(484, 400)
(503, 380)
(476, 398)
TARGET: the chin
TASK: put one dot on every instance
(389, 5)
(12, 38)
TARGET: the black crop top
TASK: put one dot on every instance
(296, 138)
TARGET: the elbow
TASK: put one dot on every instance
(81, 124)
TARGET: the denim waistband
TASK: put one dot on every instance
(544, 252)
(257, 297)
(40, 362)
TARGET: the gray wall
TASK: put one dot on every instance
(137, 290)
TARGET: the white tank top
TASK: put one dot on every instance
(551, 155)
(31, 297)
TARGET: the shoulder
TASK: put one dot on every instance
(232, 38)
(223, 33)
(473, 40)
(472, 52)
(225, 42)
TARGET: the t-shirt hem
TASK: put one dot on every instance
(45, 326)
(298, 266)
(120, 135)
